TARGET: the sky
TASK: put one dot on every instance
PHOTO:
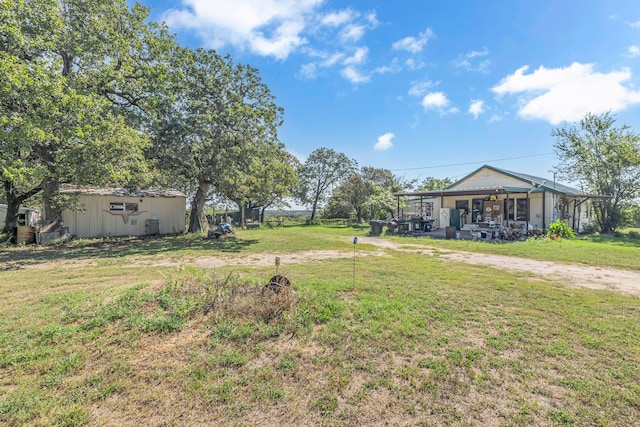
(428, 88)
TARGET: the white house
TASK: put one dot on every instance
(117, 212)
(501, 197)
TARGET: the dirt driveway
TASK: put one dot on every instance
(625, 281)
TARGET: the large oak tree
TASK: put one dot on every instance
(603, 158)
(221, 120)
(76, 76)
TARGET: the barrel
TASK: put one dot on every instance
(450, 232)
(25, 235)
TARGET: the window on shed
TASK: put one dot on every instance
(131, 207)
(123, 207)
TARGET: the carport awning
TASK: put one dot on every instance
(487, 191)
(484, 191)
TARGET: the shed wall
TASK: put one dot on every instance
(98, 221)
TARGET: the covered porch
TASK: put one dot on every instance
(495, 213)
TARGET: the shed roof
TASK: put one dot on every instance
(122, 192)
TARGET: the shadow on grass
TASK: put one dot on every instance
(620, 240)
(15, 257)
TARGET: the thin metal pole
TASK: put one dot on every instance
(353, 281)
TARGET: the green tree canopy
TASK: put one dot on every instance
(324, 170)
(367, 194)
(221, 120)
(267, 177)
(75, 78)
(431, 184)
(602, 158)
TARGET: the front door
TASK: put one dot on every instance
(476, 210)
(463, 207)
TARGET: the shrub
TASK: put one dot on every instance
(559, 230)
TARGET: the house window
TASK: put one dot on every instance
(463, 206)
(476, 210)
(519, 207)
(427, 210)
(522, 210)
(508, 207)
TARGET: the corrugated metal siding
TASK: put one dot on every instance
(97, 221)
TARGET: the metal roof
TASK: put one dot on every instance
(535, 184)
(122, 192)
(531, 180)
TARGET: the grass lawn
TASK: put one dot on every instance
(131, 332)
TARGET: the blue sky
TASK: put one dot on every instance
(428, 88)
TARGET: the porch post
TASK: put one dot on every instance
(505, 209)
(544, 209)
(515, 208)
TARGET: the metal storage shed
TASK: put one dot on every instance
(117, 212)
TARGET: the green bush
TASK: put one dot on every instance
(560, 230)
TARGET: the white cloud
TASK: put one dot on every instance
(277, 28)
(567, 94)
(393, 67)
(352, 33)
(435, 100)
(372, 19)
(495, 118)
(413, 65)
(354, 76)
(413, 44)
(419, 88)
(308, 71)
(337, 19)
(359, 57)
(468, 61)
(476, 107)
(266, 27)
(384, 142)
(634, 24)
(477, 53)
(332, 59)
(633, 51)
(283, 40)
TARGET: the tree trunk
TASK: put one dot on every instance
(13, 204)
(196, 219)
(313, 210)
(50, 191)
(240, 204)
